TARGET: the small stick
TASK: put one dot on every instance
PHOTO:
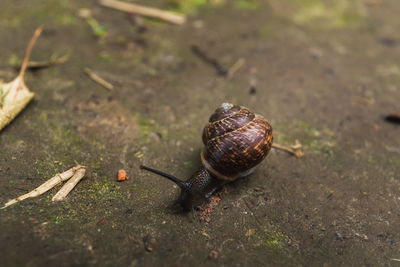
(145, 11)
(28, 52)
(64, 191)
(211, 61)
(52, 182)
(44, 64)
(96, 78)
(295, 149)
(235, 67)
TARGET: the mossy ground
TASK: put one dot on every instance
(322, 72)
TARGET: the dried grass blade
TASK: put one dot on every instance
(144, 11)
(52, 182)
(64, 191)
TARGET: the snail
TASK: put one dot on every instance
(236, 141)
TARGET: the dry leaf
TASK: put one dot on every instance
(14, 96)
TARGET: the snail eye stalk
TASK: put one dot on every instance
(184, 185)
(179, 182)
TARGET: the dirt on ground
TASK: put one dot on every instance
(324, 73)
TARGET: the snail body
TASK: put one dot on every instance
(236, 141)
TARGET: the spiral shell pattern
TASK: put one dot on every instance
(236, 140)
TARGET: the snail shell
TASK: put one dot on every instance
(236, 141)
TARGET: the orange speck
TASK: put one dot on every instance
(121, 175)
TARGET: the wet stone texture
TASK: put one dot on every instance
(322, 72)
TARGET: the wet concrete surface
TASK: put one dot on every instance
(322, 72)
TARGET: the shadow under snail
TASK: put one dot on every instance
(236, 140)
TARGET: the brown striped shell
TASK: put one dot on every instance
(236, 140)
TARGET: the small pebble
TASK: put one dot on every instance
(121, 175)
(128, 211)
(339, 236)
(213, 254)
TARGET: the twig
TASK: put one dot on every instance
(395, 259)
(211, 61)
(64, 191)
(295, 149)
(145, 11)
(28, 52)
(51, 62)
(96, 78)
(52, 182)
(235, 67)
